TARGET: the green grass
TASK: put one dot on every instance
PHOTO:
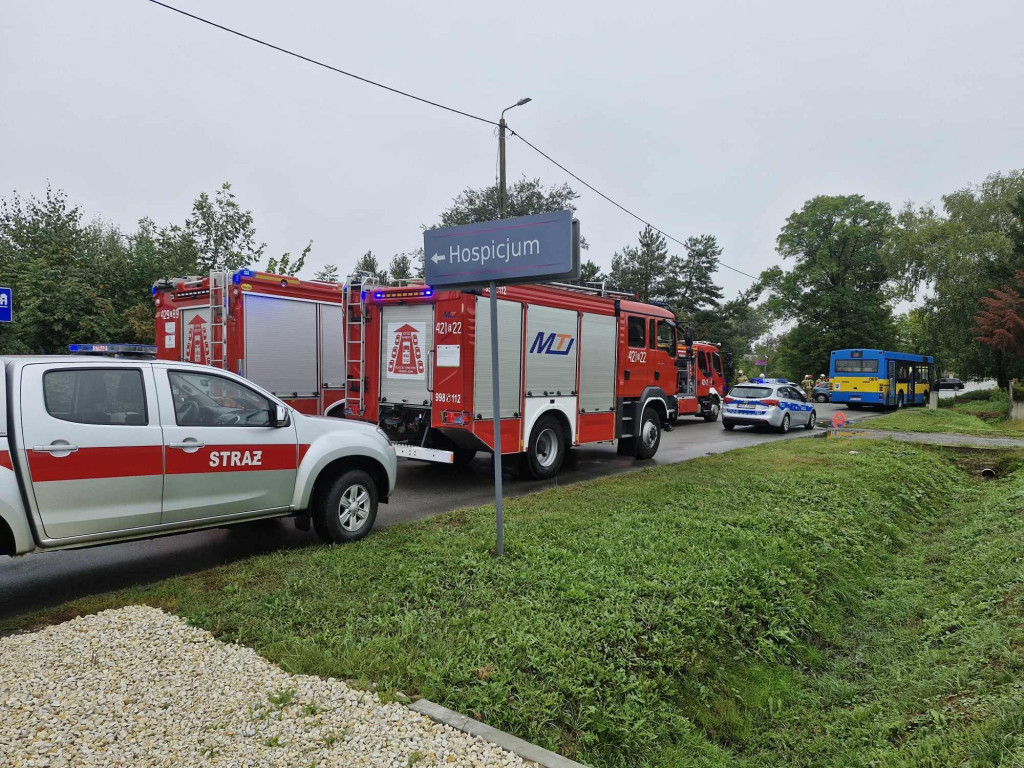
(789, 605)
(980, 413)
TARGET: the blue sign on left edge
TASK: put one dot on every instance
(6, 299)
(524, 249)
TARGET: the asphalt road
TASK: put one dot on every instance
(423, 490)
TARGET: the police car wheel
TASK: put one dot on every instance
(546, 450)
(650, 435)
(811, 420)
(784, 426)
(346, 511)
(728, 424)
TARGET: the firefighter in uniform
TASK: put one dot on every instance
(822, 381)
(740, 378)
(807, 385)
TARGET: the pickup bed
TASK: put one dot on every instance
(94, 451)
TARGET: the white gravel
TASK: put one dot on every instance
(140, 687)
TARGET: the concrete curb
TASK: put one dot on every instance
(513, 744)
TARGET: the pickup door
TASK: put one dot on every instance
(223, 455)
(93, 447)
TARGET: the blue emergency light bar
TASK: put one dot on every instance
(404, 293)
(135, 350)
(769, 381)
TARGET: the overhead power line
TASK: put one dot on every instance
(310, 60)
(422, 100)
(617, 204)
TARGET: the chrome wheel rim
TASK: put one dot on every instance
(785, 423)
(650, 433)
(354, 507)
(547, 447)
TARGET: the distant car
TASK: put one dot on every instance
(822, 394)
(950, 382)
(776, 403)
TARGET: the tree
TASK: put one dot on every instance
(525, 197)
(647, 270)
(840, 288)
(1000, 326)
(368, 265)
(400, 268)
(973, 245)
(221, 232)
(735, 325)
(590, 272)
(692, 288)
(285, 266)
(328, 273)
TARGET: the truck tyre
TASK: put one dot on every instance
(462, 456)
(347, 509)
(728, 424)
(546, 451)
(650, 434)
(711, 414)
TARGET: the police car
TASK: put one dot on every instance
(776, 403)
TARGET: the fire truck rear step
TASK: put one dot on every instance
(424, 454)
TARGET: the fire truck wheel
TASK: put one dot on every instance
(346, 511)
(711, 414)
(546, 450)
(650, 435)
(462, 456)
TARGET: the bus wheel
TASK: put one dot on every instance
(650, 434)
(546, 450)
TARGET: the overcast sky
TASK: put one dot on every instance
(716, 117)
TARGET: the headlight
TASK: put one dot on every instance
(384, 434)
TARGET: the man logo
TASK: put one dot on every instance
(547, 345)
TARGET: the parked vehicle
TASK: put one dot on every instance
(579, 364)
(96, 450)
(949, 382)
(822, 394)
(775, 403)
(701, 380)
(861, 377)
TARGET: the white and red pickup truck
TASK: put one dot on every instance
(96, 450)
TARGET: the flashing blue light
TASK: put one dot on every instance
(428, 292)
(236, 278)
(154, 290)
(378, 295)
(246, 272)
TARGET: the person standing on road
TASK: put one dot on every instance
(807, 385)
(822, 381)
(741, 378)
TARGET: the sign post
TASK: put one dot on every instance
(525, 249)
(6, 309)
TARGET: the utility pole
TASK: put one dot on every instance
(496, 390)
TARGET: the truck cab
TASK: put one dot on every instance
(94, 450)
(701, 380)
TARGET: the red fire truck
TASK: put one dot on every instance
(577, 365)
(701, 380)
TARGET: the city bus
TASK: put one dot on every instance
(861, 377)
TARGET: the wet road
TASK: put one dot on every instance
(423, 490)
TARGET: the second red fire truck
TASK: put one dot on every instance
(577, 365)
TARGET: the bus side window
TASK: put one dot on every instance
(635, 327)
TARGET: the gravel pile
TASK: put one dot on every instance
(139, 687)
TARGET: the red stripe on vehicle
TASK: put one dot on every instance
(231, 458)
(5, 460)
(302, 451)
(92, 463)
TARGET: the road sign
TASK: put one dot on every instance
(760, 362)
(6, 300)
(525, 249)
(839, 420)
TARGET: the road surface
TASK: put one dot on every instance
(423, 490)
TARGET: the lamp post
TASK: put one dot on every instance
(502, 213)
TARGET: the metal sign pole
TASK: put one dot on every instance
(497, 420)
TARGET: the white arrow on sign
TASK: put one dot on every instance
(438, 257)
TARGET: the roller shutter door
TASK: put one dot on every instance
(597, 363)
(510, 346)
(408, 339)
(280, 345)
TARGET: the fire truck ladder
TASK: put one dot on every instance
(219, 282)
(355, 342)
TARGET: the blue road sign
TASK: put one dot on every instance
(6, 299)
(520, 250)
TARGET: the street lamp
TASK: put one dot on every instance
(502, 193)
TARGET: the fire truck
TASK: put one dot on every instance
(701, 380)
(577, 365)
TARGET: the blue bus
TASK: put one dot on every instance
(860, 377)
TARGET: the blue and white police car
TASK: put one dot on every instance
(776, 403)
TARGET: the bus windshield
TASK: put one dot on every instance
(857, 366)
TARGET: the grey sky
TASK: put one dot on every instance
(716, 117)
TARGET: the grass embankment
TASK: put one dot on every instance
(980, 413)
(793, 604)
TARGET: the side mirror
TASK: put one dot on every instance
(689, 336)
(280, 416)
